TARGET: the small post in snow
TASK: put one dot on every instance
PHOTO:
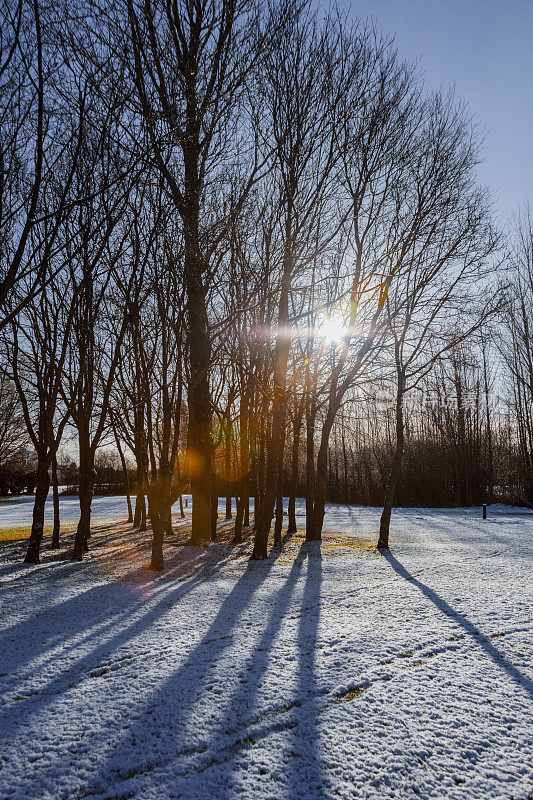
(484, 511)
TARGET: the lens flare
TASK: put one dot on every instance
(333, 329)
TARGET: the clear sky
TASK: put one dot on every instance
(485, 49)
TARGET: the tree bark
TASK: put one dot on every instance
(239, 515)
(139, 520)
(279, 505)
(292, 528)
(85, 490)
(309, 467)
(319, 505)
(392, 482)
(274, 450)
(246, 501)
(213, 510)
(55, 490)
(156, 562)
(36, 535)
(278, 525)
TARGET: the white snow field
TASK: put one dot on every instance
(18, 510)
(328, 671)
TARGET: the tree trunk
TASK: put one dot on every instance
(228, 468)
(168, 519)
(278, 525)
(383, 542)
(239, 515)
(199, 434)
(139, 520)
(319, 505)
(156, 562)
(279, 506)
(291, 528)
(55, 490)
(83, 531)
(246, 501)
(309, 469)
(214, 510)
(36, 535)
(85, 489)
(279, 400)
(128, 501)
(124, 469)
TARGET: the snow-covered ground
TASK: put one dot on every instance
(328, 671)
(17, 511)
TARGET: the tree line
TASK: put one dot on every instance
(227, 232)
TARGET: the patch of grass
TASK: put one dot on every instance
(288, 707)
(351, 694)
(334, 540)
(17, 532)
(97, 673)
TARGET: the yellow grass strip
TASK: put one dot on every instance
(16, 532)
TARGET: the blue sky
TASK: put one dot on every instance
(485, 49)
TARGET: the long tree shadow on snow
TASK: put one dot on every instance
(305, 779)
(123, 599)
(493, 652)
(131, 613)
(169, 722)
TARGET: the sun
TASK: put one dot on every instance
(333, 329)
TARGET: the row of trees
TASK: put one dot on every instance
(222, 227)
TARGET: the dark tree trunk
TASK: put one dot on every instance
(55, 491)
(309, 469)
(214, 511)
(319, 505)
(128, 501)
(228, 468)
(392, 482)
(279, 405)
(278, 524)
(168, 519)
(259, 479)
(36, 535)
(124, 469)
(83, 531)
(344, 464)
(139, 520)
(291, 528)
(199, 434)
(253, 489)
(239, 515)
(157, 561)
(246, 502)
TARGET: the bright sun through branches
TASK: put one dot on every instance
(333, 329)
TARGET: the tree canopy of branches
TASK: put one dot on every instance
(225, 229)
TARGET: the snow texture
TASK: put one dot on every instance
(327, 671)
(15, 511)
